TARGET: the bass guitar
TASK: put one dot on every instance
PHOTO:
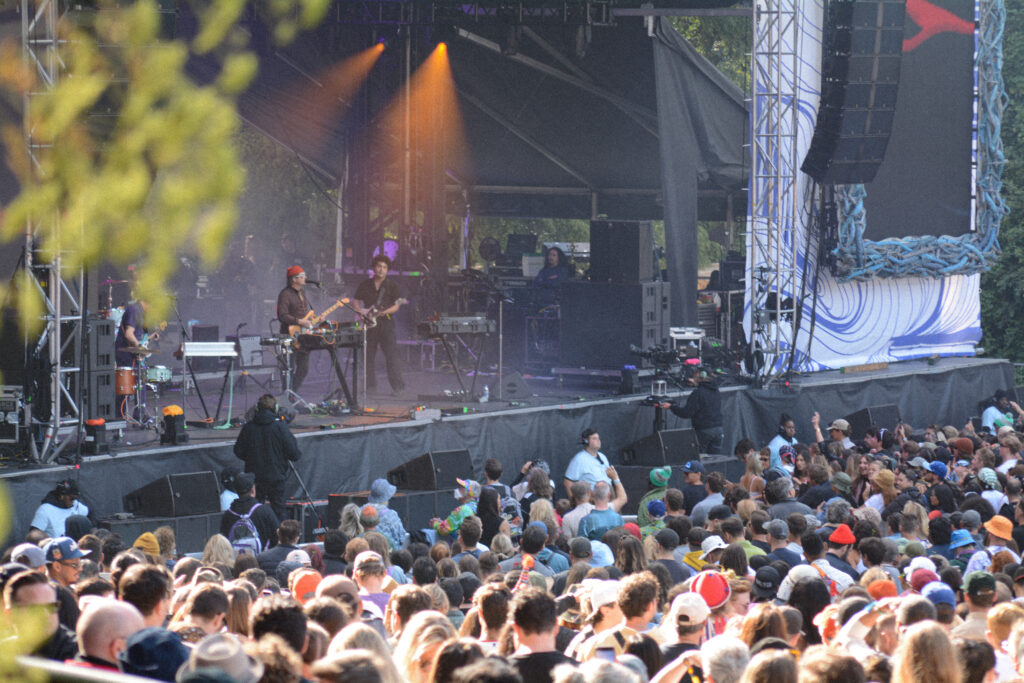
(296, 330)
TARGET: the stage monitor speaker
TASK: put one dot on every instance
(861, 54)
(887, 416)
(667, 447)
(307, 515)
(176, 495)
(514, 387)
(433, 471)
(621, 251)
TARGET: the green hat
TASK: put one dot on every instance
(977, 583)
(914, 549)
(661, 475)
(841, 482)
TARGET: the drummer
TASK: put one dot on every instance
(128, 333)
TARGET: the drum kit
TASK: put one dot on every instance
(136, 381)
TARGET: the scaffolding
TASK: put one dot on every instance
(51, 411)
(772, 224)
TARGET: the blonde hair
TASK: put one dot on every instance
(541, 510)
(501, 545)
(744, 508)
(359, 636)
(1002, 618)
(350, 524)
(754, 464)
(925, 654)
(425, 631)
(218, 550)
(917, 510)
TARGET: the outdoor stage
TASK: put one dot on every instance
(347, 457)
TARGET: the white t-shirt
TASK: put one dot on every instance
(50, 518)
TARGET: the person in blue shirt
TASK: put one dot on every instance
(602, 517)
(786, 436)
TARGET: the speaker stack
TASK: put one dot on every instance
(671, 447)
(176, 495)
(861, 54)
(622, 305)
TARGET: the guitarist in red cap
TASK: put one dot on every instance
(293, 309)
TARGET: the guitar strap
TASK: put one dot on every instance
(380, 296)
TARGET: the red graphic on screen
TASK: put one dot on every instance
(933, 21)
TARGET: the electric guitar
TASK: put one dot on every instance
(372, 313)
(296, 330)
(153, 336)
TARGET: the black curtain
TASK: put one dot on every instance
(701, 116)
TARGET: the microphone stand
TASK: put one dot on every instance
(499, 293)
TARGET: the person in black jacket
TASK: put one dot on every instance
(704, 409)
(262, 516)
(266, 445)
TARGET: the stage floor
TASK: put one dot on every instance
(346, 452)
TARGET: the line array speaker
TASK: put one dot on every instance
(860, 75)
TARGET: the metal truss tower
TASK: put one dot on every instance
(52, 414)
(772, 224)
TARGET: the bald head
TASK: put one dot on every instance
(334, 585)
(104, 626)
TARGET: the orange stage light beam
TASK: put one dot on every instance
(315, 108)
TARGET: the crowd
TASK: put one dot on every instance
(892, 555)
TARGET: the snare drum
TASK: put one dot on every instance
(124, 384)
(158, 374)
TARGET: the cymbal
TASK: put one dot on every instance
(108, 281)
(138, 350)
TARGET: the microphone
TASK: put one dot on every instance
(241, 325)
(314, 282)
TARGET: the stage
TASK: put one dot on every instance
(344, 453)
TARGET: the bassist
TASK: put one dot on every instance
(376, 299)
(292, 309)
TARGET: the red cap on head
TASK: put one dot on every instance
(294, 270)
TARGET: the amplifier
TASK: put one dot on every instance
(306, 515)
(10, 414)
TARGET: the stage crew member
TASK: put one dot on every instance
(292, 309)
(266, 445)
(704, 409)
(376, 299)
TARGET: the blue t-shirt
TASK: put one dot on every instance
(594, 525)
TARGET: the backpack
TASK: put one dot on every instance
(243, 535)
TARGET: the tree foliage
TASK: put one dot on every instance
(162, 178)
(1002, 288)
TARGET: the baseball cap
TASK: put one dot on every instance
(63, 548)
(711, 544)
(939, 593)
(153, 652)
(29, 554)
(979, 582)
(693, 466)
(294, 270)
(470, 486)
(689, 609)
(766, 583)
(656, 508)
(920, 562)
(602, 592)
(938, 469)
(840, 424)
(667, 539)
(919, 462)
(580, 547)
(243, 483)
(777, 529)
(366, 558)
(299, 555)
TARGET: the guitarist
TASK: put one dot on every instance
(377, 298)
(292, 308)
